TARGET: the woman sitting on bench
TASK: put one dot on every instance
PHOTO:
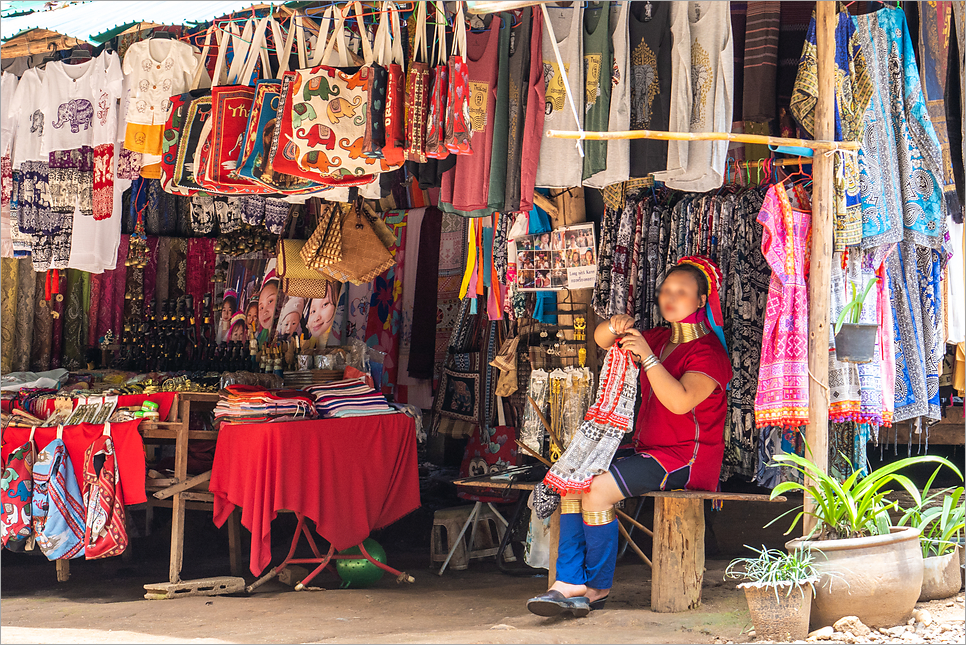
(679, 432)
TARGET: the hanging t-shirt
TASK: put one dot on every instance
(533, 122)
(617, 168)
(67, 100)
(96, 237)
(598, 65)
(8, 124)
(650, 86)
(560, 164)
(156, 70)
(467, 187)
(519, 75)
(29, 118)
(701, 94)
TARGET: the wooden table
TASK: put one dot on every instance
(181, 492)
(677, 560)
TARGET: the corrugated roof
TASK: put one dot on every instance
(89, 20)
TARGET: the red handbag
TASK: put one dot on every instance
(459, 133)
(394, 150)
(231, 105)
(436, 113)
(173, 128)
(417, 92)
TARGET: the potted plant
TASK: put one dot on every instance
(855, 341)
(941, 525)
(878, 568)
(779, 591)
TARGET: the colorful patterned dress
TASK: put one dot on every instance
(782, 398)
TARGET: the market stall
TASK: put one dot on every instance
(332, 226)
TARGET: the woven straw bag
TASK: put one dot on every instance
(298, 279)
(364, 253)
(324, 246)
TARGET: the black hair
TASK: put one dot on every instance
(696, 273)
(226, 299)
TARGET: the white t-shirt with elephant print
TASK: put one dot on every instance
(80, 103)
(26, 111)
(156, 70)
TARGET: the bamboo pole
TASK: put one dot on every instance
(818, 144)
(820, 271)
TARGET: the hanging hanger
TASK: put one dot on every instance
(79, 56)
(160, 35)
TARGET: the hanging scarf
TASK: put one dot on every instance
(57, 508)
(105, 534)
(593, 447)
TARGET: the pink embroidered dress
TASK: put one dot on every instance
(782, 397)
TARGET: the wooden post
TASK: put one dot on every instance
(554, 543)
(677, 568)
(820, 272)
(63, 570)
(177, 501)
(235, 544)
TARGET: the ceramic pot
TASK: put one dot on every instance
(780, 611)
(940, 576)
(876, 578)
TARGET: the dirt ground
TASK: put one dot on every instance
(102, 602)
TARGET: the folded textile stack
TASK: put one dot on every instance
(253, 404)
(348, 398)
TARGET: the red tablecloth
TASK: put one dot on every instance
(127, 444)
(349, 476)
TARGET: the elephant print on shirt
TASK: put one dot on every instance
(103, 107)
(37, 123)
(75, 113)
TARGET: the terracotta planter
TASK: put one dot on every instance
(780, 612)
(940, 577)
(876, 578)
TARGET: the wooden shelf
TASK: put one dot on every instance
(169, 430)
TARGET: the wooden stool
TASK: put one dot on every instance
(488, 529)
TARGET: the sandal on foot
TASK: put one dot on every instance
(599, 603)
(554, 603)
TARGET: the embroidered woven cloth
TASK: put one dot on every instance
(782, 397)
(593, 446)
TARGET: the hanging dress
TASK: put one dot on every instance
(902, 202)
(649, 25)
(560, 164)
(617, 167)
(702, 91)
(853, 90)
(782, 398)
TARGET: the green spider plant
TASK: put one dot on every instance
(853, 309)
(942, 526)
(856, 507)
(774, 568)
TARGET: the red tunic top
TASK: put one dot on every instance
(695, 438)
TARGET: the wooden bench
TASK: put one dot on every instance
(677, 563)
(677, 559)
